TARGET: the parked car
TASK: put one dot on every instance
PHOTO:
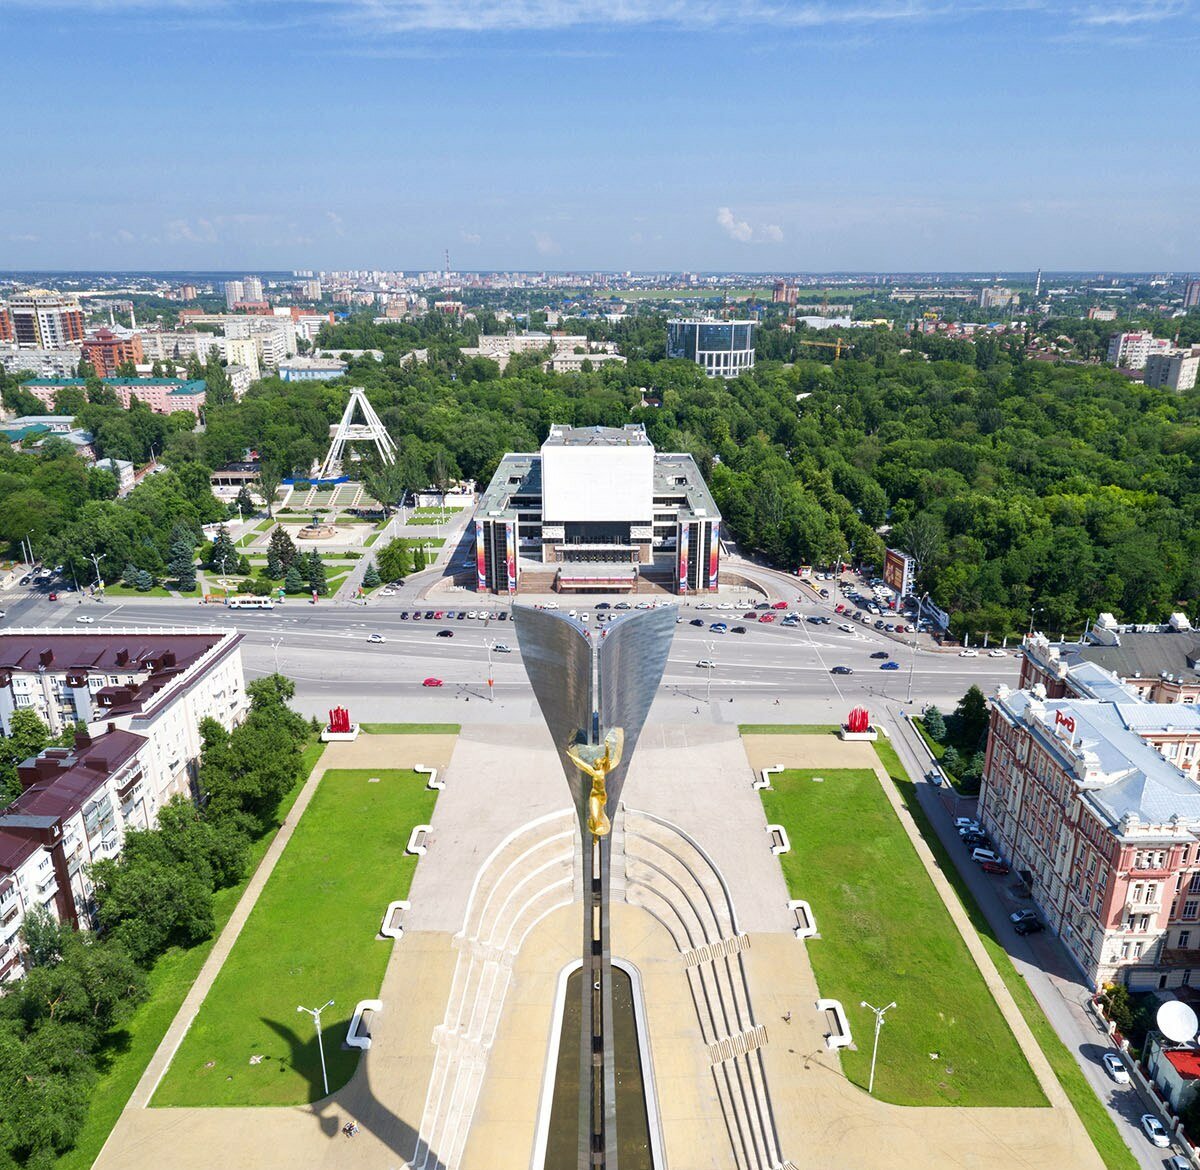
(968, 653)
(997, 653)
(1155, 1132)
(812, 619)
(973, 827)
(1115, 1067)
(845, 628)
(996, 867)
(461, 616)
(619, 605)
(377, 639)
(603, 605)
(1030, 927)
(934, 777)
(975, 840)
(738, 630)
(702, 605)
(981, 854)
(432, 682)
(404, 615)
(841, 670)
(502, 616)
(1022, 916)
(766, 617)
(959, 822)
(780, 605)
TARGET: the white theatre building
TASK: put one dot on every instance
(597, 509)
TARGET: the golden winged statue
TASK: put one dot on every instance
(591, 762)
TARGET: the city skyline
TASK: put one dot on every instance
(535, 136)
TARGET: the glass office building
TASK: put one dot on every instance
(724, 348)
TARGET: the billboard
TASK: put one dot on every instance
(898, 571)
(510, 546)
(713, 554)
(683, 558)
(480, 560)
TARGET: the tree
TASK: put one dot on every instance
(27, 736)
(394, 561)
(143, 582)
(935, 725)
(316, 573)
(222, 554)
(951, 760)
(269, 481)
(384, 482)
(42, 935)
(971, 719)
(182, 561)
(293, 582)
(274, 567)
(371, 578)
(130, 575)
(282, 547)
(245, 502)
(418, 555)
(922, 538)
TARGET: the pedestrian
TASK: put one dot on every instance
(787, 1017)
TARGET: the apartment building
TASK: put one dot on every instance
(162, 395)
(106, 350)
(1130, 350)
(1105, 831)
(1173, 369)
(45, 320)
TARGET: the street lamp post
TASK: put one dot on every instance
(275, 647)
(879, 1013)
(316, 1015)
(709, 673)
(912, 662)
(491, 687)
(96, 565)
(1034, 609)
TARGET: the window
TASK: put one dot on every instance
(1184, 937)
(1137, 950)
(1190, 907)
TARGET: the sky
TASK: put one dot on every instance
(747, 135)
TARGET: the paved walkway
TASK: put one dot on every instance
(368, 751)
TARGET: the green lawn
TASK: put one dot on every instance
(1095, 1117)
(788, 729)
(169, 982)
(410, 728)
(886, 935)
(310, 938)
(119, 590)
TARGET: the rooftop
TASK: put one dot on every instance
(1185, 1061)
(1145, 654)
(179, 386)
(633, 435)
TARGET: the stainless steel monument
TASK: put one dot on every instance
(595, 690)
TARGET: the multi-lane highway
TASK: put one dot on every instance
(325, 648)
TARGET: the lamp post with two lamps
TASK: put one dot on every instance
(879, 1014)
(316, 1015)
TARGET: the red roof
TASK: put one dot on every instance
(1186, 1062)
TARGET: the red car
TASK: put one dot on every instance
(839, 608)
(53, 596)
(994, 867)
(438, 615)
(432, 682)
(748, 617)
(780, 605)
(766, 617)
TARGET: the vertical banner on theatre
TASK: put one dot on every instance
(480, 559)
(683, 558)
(510, 549)
(713, 554)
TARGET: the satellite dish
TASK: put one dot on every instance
(1176, 1021)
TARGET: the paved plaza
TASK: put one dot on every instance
(455, 1074)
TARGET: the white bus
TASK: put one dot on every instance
(251, 603)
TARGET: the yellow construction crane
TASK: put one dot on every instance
(837, 346)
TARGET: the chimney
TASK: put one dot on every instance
(122, 656)
(83, 738)
(46, 657)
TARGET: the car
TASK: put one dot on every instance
(1030, 927)
(1178, 1162)
(891, 664)
(974, 840)
(376, 639)
(934, 777)
(501, 648)
(968, 653)
(53, 597)
(450, 614)
(603, 605)
(824, 592)
(960, 821)
(997, 653)
(839, 608)
(891, 629)
(1115, 1067)
(461, 616)
(502, 616)
(416, 615)
(83, 619)
(901, 629)
(570, 613)
(762, 605)
(706, 664)
(1155, 1131)
(432, 682)
(585, 618)
(780, 605)
(749, 617)
(718, 628)
(879, 653)
(996, 867)
(472, 613)
(702, 605)
(846, 629)
(554, 605)
(738, 630)
(26, 580)
(429, 615)
(720, 605)
(981, 853)
(445, 633)
(696, 622)
(619, 605)
(1023, 916)
(879, 624)
(841, 670)
(438, 614)
(404, 615)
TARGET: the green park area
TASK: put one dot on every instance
(311, 937)
(886, 935)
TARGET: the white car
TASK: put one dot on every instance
(549, 605)
(1115, 1067)
(501, 648)
(1155, 1132)
(968, 653)
(963, 822)
(84, 620)
(706, 664)
(704, 605)
(570, 613)
(472, 614)
(377, 639)
(997, 653)
(585, 617)
(846, 629)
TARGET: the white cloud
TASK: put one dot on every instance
(737, 229)
(24, 238)
(339, 227)
(740, 230)
(182, 230)
(545, 243)
(1135, 12)
(469, 237)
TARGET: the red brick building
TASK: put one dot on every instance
(106, 350)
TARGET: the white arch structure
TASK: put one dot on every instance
(370, 430)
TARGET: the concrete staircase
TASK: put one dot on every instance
(670, 876)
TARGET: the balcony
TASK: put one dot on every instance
(1138, 906)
